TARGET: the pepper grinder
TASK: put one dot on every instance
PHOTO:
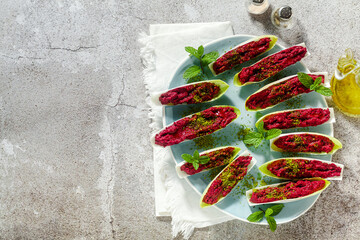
(282, 17)
(257, 7)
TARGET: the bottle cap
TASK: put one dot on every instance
(257, 2)
(285, 13)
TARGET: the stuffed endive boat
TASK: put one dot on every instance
(306, 117)
(193, 93)
(242, 53)
(218, 157)
(298, 167)
(196, 125)
(227, 179)
(270, 65)
(305, 142)
(279, 91)
(286, 192)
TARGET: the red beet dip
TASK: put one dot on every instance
(303, 168)
(217, 158)
(240, 55)
(197, 125)
(290, 190)
(304, 143)
(190, 94)
(278, 93)
(272, 64)
(297, 118)
(227, 180)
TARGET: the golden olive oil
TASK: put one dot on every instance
(345, 84)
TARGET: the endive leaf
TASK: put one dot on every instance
(236, 77)
(271, 45)
(223, 88)
(337, 143)
(183, 174)
(249, 192)
(249, 167)
(325, 74)
(261, 119)
(263, 168)
(153, 138)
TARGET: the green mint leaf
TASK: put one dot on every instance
(268, 212)
(305, 79)
(187, 157)
(252, 138)
(272, 133)
(259, 176)
(210, 57)
(197, 78)
(324, 91)
(196, 165)
(260, 126)
(277, 209)
(315, 84)
(256, 216)
(272, 223)
(204, 159)
(258, 142)
(318, 81)
(196, 154)
(192, 51)
(191, 72)
(258, 115)
(200, 51)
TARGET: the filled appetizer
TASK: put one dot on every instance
(242, 53)
(217, 157)
(270, 65)
(296, 168)
(307, 117)
(196, 125)
(286, 192)
(312, 143)
(227, 179)
(279, 91)
(193, 93)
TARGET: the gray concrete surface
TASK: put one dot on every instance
(75, 161)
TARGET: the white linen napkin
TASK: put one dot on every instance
(161, 53)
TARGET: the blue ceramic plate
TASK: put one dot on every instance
(235, 203)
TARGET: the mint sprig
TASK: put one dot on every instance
(272, 223)
(269, 214)
(256, 216)
(255, 138)
(209, 57)
(316, 86)
(196, 159)
(191, 72)
(195, 52)
(196, 73)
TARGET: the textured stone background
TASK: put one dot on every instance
(75, 161)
